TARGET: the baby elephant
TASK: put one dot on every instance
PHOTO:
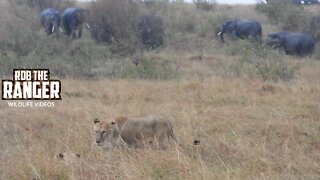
(133, 132)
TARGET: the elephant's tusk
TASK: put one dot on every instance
(88, 26)
(52, 29)
(60, 29)
(218, 34)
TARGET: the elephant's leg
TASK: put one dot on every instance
(57, 33)
(73, 28)
(234, 35)
(258, 38)
(73, 32)
(80, 30)
(48, 28)
(289, 51)
(296, 50)
(301, 52)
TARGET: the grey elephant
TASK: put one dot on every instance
(50, 20)
(241, 28)
(73, 19)
(100, 30)
(293, 43)
(151, 30)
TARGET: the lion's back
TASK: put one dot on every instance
(147, 125)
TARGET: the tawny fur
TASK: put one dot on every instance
(137, 132)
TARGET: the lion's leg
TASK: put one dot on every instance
(161, 140)
(138, 141)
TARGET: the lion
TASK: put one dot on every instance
(133, 132)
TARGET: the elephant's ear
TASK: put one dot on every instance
(227, 22)
(271, 35)
(275, 36)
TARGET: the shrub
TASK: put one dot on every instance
(119, 18)
(151, 30)
(295, 19)
(316, 54)
(151, 69)
(205, 4)
(257, 60)
(43, 4)
(283, 12)
(314, 27)
(275, 69)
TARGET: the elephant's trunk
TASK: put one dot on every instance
(221, 35)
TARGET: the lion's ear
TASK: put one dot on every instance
(113, 122)
(96, 121)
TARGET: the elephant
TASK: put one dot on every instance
(100, 33)
(241, 28)
(50, 20)
(73, 19)
(151, 30)
(100, 30)
(293, 43)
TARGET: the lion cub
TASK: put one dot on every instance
(136, 132)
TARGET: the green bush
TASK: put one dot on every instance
(205, 4)
(314, 27)
(257, 60)
(316, 54)
(151, 69)
(275, 69)
(289, 16)
(274, 9)
(43, 4)
(119, 18)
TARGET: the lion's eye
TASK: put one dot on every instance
(103, 132)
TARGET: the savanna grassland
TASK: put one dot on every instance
(254, 110)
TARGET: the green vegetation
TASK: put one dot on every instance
(258, 60)
(253, 111)
(287, 15)
(187, 29)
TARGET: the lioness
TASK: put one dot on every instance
(136, 132)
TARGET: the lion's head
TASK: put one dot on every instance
(106, 132)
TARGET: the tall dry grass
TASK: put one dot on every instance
(247, 129)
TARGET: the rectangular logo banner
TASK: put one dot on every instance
(31, 84)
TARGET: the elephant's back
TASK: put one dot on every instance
(49, 11)
(252, 24)
(301, 36)
(71, 11)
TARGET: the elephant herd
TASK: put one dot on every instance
(150, 27)
(72, 20)
(292, 43)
